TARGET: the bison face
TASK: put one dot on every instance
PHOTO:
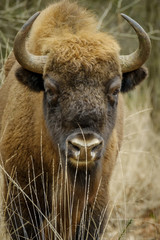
(80, 114)
(80, 109)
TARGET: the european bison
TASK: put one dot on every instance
(61, 119)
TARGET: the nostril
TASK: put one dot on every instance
(96, 150)
(97, 147)
(74, 148)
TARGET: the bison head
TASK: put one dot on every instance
(81, 79)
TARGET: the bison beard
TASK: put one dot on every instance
(61, 123)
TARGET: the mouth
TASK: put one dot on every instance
(82, 162)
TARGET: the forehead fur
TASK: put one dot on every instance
(69, 35)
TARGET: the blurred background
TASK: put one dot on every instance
(134, 211)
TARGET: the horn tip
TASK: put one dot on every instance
(30, 21)
(126, 17)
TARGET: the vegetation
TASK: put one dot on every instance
(135, 190)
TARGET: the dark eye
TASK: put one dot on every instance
(113, 90)
(114, 86)
(52, 95)
(51, 90)
(116, 91)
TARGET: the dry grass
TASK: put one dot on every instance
(135, 189)
(3, 58)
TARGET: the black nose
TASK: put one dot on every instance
(84, 147)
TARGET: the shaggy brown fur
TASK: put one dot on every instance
(35, 123)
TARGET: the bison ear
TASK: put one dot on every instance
(33, 81)
(131, 79)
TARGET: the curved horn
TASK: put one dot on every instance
(27, 60)
(136, 59)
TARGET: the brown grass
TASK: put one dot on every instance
(135, 188)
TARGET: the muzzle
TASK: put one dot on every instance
(84, 148)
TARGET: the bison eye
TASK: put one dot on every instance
(113, 96)
(52, 95)
(116, 91)
(114, 86)
(51, 90)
